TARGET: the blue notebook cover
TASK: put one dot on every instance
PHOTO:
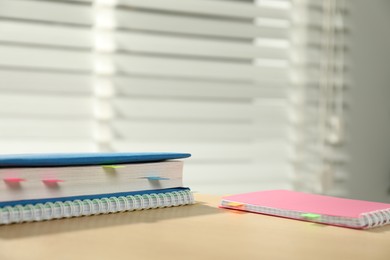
(73, 159)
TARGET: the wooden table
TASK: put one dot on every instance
(200, 231)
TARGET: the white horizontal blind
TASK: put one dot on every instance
(209, 77)
(204, 76)
(319, 86)
(45, 77)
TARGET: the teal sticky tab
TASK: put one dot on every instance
(156, 178)
(310, 216)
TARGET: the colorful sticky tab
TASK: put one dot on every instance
(13, 180)
(51, 181)
(113, 166)
(156, 178)
(310, 216)
(235, 204)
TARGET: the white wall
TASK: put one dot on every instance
(369, 111)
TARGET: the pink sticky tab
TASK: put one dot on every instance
(13, 180)
(51, 181)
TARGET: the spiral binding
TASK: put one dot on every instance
(76, 208)
(376, 218)
(366, 220)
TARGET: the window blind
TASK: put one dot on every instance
(199, 76)
(319, 85)
(209, 77)
(45, 76)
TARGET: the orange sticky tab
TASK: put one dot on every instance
(235, 204)
(51, 181)
(13, 180)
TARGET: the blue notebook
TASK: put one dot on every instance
(66, 207)
(89, 197)
(73, 159)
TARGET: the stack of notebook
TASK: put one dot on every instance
(50, 186)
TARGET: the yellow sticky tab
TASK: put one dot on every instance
(113, 166)
(235, 204)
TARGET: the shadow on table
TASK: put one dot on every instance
(14, 231)
(384, 229)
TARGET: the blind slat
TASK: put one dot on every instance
(42, 145)
(209, 7)
(158, 44)
(194, 68)
(45, 106)
(45, 34)
(214, 151)
(244, 187)
(169, 131)
(47, 129)
(195, 26)
(187, 110)
(22, 82)
(137, 86)
(39, 58)
(46, 11)
(247, 173)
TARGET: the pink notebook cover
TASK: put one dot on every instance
(310, 203)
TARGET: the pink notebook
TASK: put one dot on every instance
(310, 207)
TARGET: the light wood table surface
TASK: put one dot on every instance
(200, 231)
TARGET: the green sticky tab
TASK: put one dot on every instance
(113, 166)
(310, 215)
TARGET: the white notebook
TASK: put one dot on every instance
(84, 207)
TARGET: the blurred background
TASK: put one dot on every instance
(265, 94)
